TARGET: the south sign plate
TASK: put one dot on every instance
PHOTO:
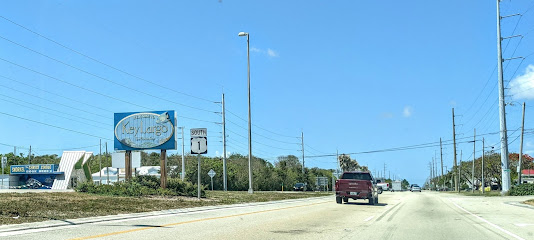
(145, 130)
(199, 141)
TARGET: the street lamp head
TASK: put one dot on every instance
(242, 34)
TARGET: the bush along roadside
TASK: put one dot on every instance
(143, 186)
(522, 190)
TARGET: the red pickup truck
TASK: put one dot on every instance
(356, 185)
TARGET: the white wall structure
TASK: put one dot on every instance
(117, 159)
(66, 165)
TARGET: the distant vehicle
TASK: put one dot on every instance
(397, 186)
(415, 188)
(299, 187)
(383, 185)
(356, 185)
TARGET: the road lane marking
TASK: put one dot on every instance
(368, 219)
(194, 221)
(523, 224)
(386, 212)
(138, 216)
(36, 230)
(488, 222)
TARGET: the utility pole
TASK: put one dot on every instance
(460, 169)
(441, 155)
(107, 168)
(505, 172)
(521, 147)
(483, 149)
(100, 160)
(457, 178)
(384, 173)
(224, 146)
(30, 156)
(474, 157)
(302, 138)
(183, 156)
(338, 162)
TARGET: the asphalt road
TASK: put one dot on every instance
(400, 215)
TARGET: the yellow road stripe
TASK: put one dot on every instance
(193, 221)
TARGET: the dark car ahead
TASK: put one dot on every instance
(356, 185)
(299, 187)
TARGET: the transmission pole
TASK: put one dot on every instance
(521, 147)
(474, 157)
(505, 172)
(441, 155)
(183, 156)
(302, 138)
(224, 146)
(457, 178)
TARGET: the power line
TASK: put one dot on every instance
(267, 130)
(103, 78)
(75, 120)
(100, 62)
(54, 126)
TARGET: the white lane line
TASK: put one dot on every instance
(5, 234)
(150, 215)
(488, 222)
(368, 219)
(523, 224)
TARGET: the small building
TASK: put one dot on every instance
(72, 169)
(527, 176)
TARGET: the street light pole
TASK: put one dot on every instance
(250, 189)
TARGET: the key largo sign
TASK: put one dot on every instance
(145, 130)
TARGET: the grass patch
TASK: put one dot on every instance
(529, 202)
(477, 193)
(35, 207)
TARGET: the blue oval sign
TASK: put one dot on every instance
(144, 130)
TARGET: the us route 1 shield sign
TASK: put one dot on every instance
(199, 140)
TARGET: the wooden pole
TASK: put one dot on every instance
(163, 170)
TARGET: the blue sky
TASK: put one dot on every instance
(353, 76)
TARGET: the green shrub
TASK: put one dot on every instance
(143, 186)
(522, 190)
(184, 188)
(151, 182)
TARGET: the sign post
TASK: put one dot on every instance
(199, 145)
(211, 173)
(4, 162)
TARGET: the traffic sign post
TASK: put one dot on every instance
(4, 163)
(211, 173)
(199, 145)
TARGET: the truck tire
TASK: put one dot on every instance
(376, 200)
(380, 191)
(338, 200)
(346, 199)
(371, 201)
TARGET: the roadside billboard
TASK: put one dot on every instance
(145, 130)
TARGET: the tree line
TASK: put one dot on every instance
(267, 176)
(492, 171)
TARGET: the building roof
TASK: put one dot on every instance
(527, 172)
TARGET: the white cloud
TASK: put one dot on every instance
(522, 87)
(452, 103)
(271, 53)
(253, 49)
(408, 111)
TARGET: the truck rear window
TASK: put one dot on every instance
(356, 176)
